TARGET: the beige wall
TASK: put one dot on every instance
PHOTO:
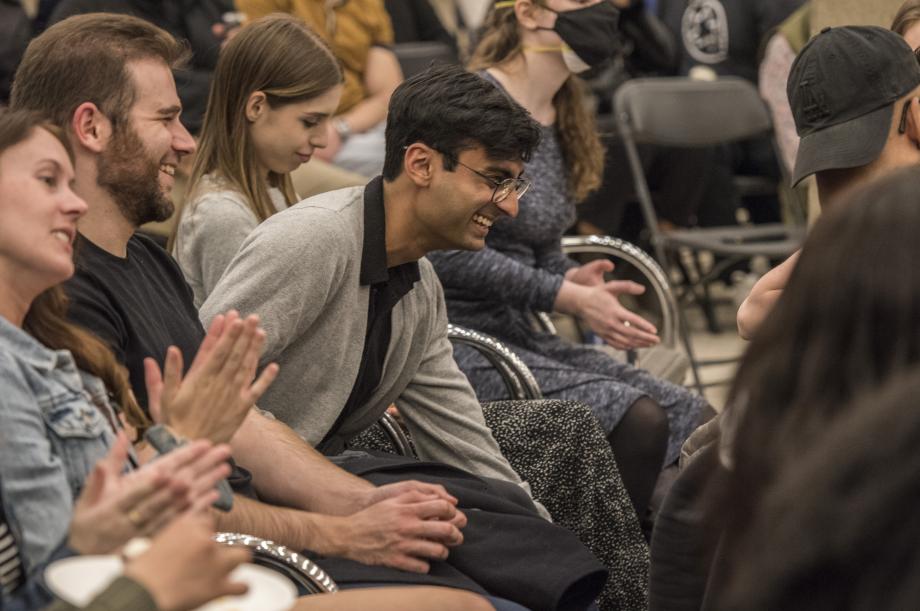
(852, 12)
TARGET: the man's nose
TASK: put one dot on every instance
(183, 142)
(509, 205)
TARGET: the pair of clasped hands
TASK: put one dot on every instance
(169, 496)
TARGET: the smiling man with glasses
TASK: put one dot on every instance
(354, 313)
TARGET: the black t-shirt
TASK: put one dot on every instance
(725, 35)
(139, 305)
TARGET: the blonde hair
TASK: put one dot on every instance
(288, 62)
(906, 17)
(576, 126)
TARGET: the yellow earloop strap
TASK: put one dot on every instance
(546, 49)
(504, 4)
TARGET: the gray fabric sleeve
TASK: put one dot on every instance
(217, 224)
(287, 299)
(442, 412)
(497, 277)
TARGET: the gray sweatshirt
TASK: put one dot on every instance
(299, 271)
(211, 229)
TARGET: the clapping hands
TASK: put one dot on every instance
(115, 506)
(214, 397)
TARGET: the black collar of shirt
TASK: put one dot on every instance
(387, 287)
(374, 253)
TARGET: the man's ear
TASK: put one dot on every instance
(913, 122)
(526, 13)
(418, 163)
(91, 128)
(255, 106)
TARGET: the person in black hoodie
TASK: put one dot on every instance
(725, 38)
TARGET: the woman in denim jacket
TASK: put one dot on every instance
(57, 420)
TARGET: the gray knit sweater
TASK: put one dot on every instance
(299, 270)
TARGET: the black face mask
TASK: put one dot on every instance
(590, 32)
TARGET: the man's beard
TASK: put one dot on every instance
(133, 180)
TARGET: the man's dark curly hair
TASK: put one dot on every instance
(452, 110)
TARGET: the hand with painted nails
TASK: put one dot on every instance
(214, 397)
(115, 506)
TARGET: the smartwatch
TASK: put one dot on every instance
(342, 128)
(163, 441)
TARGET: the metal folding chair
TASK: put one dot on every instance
(388, 434)
(297, 567)
(626, 256)
(686, 113)
(415, 57)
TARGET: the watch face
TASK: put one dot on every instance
(342, 128)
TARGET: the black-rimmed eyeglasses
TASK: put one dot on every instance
(503, 188)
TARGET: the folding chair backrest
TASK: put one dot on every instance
(689, 113)
(415, 57)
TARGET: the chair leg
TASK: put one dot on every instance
(709, 310)
(703, 297)
(691, 355)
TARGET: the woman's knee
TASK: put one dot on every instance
(647, 423)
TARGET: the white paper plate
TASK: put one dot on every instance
(78, 580)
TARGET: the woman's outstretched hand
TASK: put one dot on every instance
(586, 293)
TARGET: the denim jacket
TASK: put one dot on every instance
(54, 426)
(32, 594)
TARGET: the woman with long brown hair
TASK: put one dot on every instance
(274, 89)
(533, 50)
(64, 395)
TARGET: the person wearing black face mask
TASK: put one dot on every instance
(524, 51)
(589, 34)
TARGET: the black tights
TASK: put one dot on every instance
(640, 442)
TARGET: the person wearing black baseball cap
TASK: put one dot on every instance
(844, 89)
(855, 98)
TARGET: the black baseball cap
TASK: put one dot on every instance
(842, 90)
